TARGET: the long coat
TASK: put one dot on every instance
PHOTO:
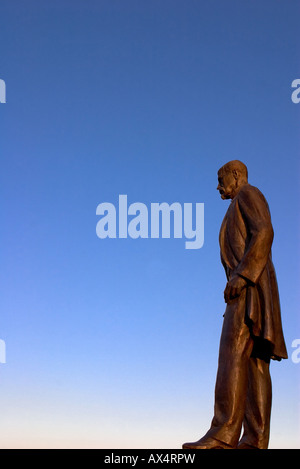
(246, 237)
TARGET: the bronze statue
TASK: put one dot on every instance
(252, 330)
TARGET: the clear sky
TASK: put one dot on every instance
(113, 343)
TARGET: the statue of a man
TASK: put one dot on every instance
(252, 330)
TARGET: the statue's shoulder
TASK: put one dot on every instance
(250, 192)
(251, 196)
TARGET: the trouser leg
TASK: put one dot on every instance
(258, 405)
(232, 377)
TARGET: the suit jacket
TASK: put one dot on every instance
(246, 237)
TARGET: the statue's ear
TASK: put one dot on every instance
(235, 173)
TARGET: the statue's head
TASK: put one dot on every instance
(231, 177)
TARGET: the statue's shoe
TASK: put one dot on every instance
(206, 443)
(245, 446)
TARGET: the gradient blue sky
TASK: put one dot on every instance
(114, 343)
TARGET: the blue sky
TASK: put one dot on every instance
(114, 343)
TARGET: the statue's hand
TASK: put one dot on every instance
(234, 287)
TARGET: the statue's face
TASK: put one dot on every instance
(227, 184)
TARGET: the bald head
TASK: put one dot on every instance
(237, 167)
(231, 177)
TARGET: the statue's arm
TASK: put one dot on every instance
(256, 215)
(255, 212)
